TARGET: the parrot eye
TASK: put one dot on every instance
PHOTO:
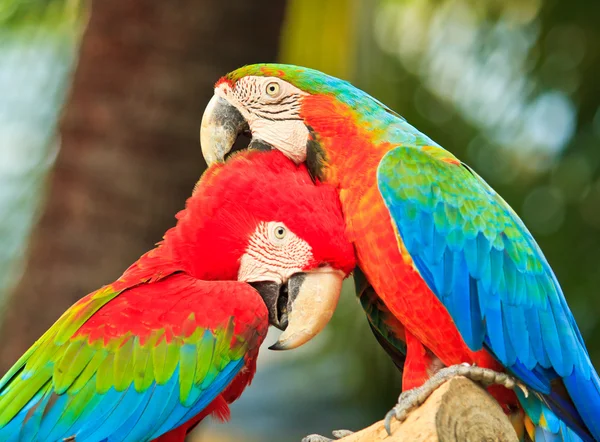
(280, 232)
(272, 89)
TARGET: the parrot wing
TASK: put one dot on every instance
(387, 329)
(134, 363)
(482, 263)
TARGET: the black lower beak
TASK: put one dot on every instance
(279, 298)
(275, 297)
(256, 144)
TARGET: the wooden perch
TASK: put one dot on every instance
(458, 411)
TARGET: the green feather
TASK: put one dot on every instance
(17, 398)
(105, 373)
(210, 377)
(123, 366)
(90, 370)
(204, 356)
(78, 402)
(165, 359)
(159, 359)
(70, 365)
(65, 363)
(142, 373)
(224, 345)
(187, 371)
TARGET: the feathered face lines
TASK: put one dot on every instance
(274, 253)
(269, 108)
(264, 97)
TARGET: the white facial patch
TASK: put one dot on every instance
(271, 107)
(274, 253)
(286, 136)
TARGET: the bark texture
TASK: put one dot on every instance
(458, 411)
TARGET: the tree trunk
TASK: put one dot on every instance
(130, 152)
(39, 43)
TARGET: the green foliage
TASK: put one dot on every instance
(17, 15)
(320, 35)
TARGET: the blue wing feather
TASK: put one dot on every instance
(108, 398)
(133, 414)
(485, 267)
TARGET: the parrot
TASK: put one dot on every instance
(453, 280)
(176, 337)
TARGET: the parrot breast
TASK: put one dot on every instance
(380, 252)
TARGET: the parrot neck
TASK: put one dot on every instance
(348, 142)
(354, 131)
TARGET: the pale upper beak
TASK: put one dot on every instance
(302, 306)
(221, 124)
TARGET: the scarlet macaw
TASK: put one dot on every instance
(460, 275)
(177, 336)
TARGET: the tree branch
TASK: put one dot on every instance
(458, 411)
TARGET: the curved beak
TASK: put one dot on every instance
(302, 306)
(221, 124)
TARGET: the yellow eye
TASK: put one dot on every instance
(272, 89)
(280, 232)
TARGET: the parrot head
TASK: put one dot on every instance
(260, 219)
(293, 109)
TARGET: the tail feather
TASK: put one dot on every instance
(585, 393)
(547, 426)
(563, 434)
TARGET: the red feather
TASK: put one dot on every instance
(189, 280)
(255, 187)
(390, 271)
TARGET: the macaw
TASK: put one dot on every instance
(458, 276)
(176, 337)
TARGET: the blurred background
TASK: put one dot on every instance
(100, 106)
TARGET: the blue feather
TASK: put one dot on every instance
(183, 414)
(585, 394)
(135, 419)
(158, 397)
(485, 267)
(124, 403)
(535, 334)
(52, 418)
(29, 431)
(516, 329)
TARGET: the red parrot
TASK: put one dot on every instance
(176, 337)
(453, 276)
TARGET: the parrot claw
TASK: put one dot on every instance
(316, 438)
(411, 399)
(337, 434)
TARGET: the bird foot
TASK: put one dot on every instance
(338, 434)
(411, 399)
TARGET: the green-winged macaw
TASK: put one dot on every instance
(176, 337)
(458, 274)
